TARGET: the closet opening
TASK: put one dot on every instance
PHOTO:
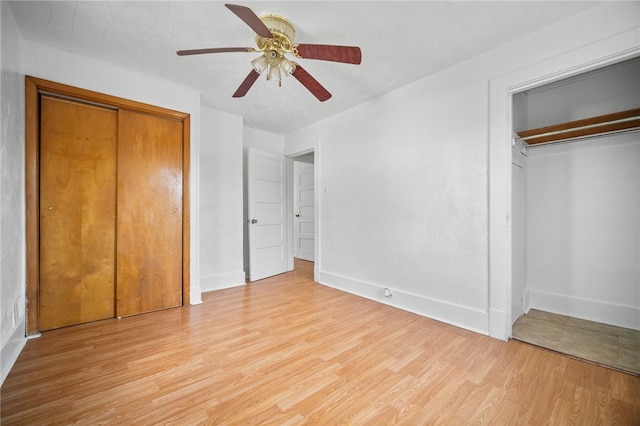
(576, 216)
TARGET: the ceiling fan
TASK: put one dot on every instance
(274, 37)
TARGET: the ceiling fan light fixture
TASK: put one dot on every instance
(274, 74)
(274, 37)
(287, 66)
(259, 64)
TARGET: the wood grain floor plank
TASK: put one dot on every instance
(288, 351)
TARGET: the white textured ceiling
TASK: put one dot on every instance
(401, 42)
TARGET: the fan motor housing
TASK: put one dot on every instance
(283, 35)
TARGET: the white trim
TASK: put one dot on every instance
(588, 309)
(11, 349)
(288, 207)
(450, 313)
(497, 321)
(588, 58)
(317, 181)
(195, 285)
(526, 302)
(290, 157)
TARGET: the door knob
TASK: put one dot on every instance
(254, 220)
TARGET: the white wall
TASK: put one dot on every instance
(402, 198)
(266, 141)
(12, 196)
(221, 206)
(584, 229)
(404, 182)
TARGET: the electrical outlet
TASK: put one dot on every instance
(388, 294)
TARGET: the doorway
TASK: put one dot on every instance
(302, 207)
(278, 171)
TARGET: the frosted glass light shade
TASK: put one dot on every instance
(274, 73)
(259, 64)
(287, 66)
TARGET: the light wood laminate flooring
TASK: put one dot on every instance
(288, 351)
(611, 346)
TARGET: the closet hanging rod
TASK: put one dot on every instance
(580, 138)
(623, 120)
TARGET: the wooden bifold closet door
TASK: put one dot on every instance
(111, 215)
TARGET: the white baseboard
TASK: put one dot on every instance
(460, 316)
(498, 324)
(11, 348)
(221, 281)
(592, 310)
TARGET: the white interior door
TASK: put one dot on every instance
(517, 243)
(303, 220)
(266, 181)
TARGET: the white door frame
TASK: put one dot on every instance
(289, 206)
(605, 52)
(519, 233)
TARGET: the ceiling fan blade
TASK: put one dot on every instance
(311, 84)
(214, 50)
(251, 19)
(246, 84)
(327, 52)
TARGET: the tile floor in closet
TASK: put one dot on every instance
(612, 346)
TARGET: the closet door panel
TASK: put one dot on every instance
(149, 223)
(78, 145)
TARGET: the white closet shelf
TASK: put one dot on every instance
(617, 121)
